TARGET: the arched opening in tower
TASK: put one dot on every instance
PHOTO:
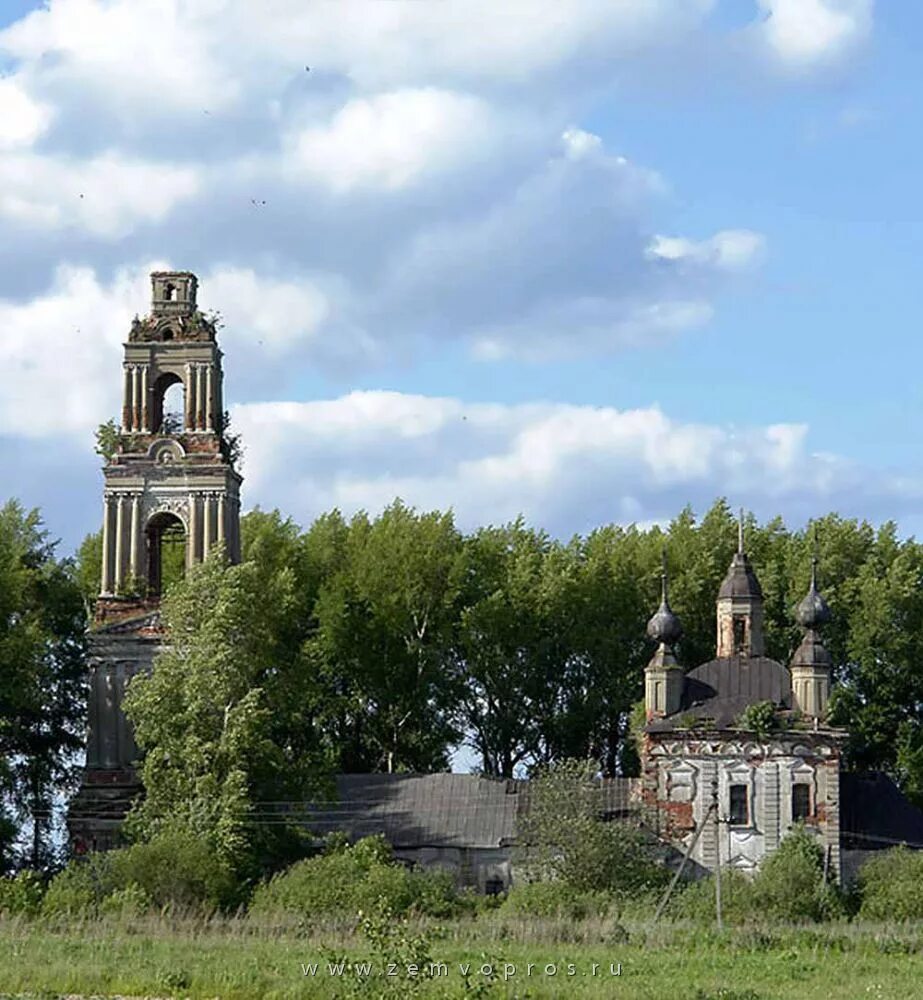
(166, 550)
(169, 405)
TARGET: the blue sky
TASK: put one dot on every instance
(588, 260)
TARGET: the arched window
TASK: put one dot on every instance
(169, 405)
(801, 802)
(166, 551)
(169, 291)
(740, 634)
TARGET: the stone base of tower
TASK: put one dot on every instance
(96, 813)
(124, 642)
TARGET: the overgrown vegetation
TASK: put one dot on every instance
(789, 887)
(347, 880)
(563, 839)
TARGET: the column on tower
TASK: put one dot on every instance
(192, 536)
(135, 397)
(119, 543)
(200, 398)
(209, 399)
(208, 526)
(145, 400)
(134, 546)
(126, 398)
(222, 520)
(190, 398)
(106, 580)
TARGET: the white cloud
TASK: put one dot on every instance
(802, 34)
(145, 58)
(22, 118)
(60, 355)
(61, 352)
(275, 317)
(106, 196)
(565, 467)
(390, 140)
(728, 250)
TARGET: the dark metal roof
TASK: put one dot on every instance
(438, 810)
(421, 810)
(741, 581)
(874, 813)
(721, 689)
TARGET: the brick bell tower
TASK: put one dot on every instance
(171, 497)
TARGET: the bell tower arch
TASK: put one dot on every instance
(180, 467)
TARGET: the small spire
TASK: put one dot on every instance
(740, 532)
(813, 609)
(665, 626)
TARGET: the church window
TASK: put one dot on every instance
(801, 802)
(740, 634)
(169, 291)
(738, 806)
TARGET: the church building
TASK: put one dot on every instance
(738, 750)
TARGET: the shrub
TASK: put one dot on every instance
(347, 880)
(176, 868)
(565, 839)
(22, 894)
(554, 899)
(132, 901)
(696, 900)
(891, 886)
(790, 883)
(78, 889)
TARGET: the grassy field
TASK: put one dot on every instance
(232, 959)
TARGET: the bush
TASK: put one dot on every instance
(790, 883)
(79, 889)
(564, 838)
(891, 886)
(22, 894)
(347, 880)
(132, 901)
(555, 899)
(696, 900)
(176, 868)
(789, 886)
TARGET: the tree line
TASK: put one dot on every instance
(383, 643)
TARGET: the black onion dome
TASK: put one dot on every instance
(813, 610)
(665, 626)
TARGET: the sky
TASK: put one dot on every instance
(585, 260)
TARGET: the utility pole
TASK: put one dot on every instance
(714, 803)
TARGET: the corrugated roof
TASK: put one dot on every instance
(437, 810)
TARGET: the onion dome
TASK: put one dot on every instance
(813, 611)
(665, 626)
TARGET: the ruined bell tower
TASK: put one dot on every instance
(171, 497)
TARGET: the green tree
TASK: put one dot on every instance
(505, 650)
(42, 695)
(226, 720)
(385, 625)
(563, 838)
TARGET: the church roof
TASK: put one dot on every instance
(740, 580)
(721, 689)
(874, 813)
(438, 810)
